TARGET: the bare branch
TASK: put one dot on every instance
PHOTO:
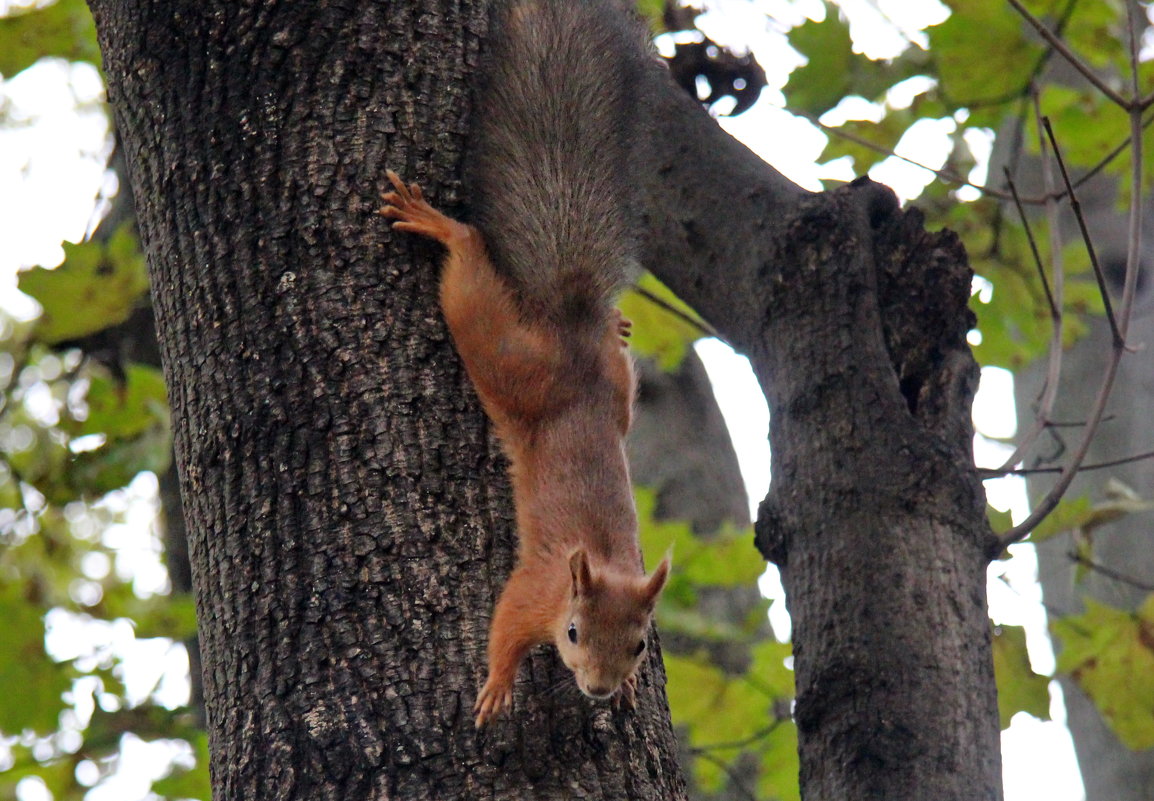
(1110, 572)
(1077, 209)
(1130, 283)
(743, 743)
(1055, 312)
(1054, 362)
(1072, 57)
(700, 325)
(989, 472)
(737, 781)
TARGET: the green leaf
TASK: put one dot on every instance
(884, 134)
(982, 52)
(726, 559)
(63, 29)
(652, 11)
(1020, 689)
(58, 775)
(1110, 654)
(768, 668)
(116, 463)
(191, 783)
(779, 765)
(1066, 516)
(717, 711)
(1000, 522)
(1086, 124)
(1086, 517)
(98, 286)
(33, 680)
(133, 415)
(124, 409)
(171, 616)
(833, 71)
(662, 335)
(827, 76)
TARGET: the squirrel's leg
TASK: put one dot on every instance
(619, 365)
(511, 364)
(517, 626)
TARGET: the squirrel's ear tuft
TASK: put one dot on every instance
(579, 569)
(656, 582)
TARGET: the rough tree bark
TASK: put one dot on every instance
(854, 319)
(348, 517)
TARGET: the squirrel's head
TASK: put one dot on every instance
(603, 638)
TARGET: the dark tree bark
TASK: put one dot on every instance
(348, 516)
(855, 322)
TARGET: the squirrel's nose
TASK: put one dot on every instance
(599, 691)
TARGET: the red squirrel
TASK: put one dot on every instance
(527, 292)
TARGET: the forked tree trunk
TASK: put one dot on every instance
(349, 517)
(349, 520)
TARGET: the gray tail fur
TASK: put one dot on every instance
(550, 173)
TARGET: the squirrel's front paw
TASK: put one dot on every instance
(494, 698)
(627, 694)
(406, 205)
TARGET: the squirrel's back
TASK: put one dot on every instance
(550, 170)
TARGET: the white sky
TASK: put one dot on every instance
(52, 171)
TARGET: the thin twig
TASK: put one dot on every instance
(738, 782)
(989, 472)
(1132, 28)
(699, 324)
(1105, 162)
(945, 175)
(1075, 423)
(1072, 57)
(1130, 283)
(1054, 362)
(1076, 207)
(750, 740)
(1055, 312)
(1110, 572)
(952, 177)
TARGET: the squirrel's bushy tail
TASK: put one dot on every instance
(550, 169)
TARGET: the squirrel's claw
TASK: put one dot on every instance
(491, 701)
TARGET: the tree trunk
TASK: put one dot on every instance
(349, 521)
(348, 515)
(855, 322)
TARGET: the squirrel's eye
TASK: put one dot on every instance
(573, 632)
(640, 648)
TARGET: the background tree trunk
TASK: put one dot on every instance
(677, 413)
(349, 518)
(1110, 770)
